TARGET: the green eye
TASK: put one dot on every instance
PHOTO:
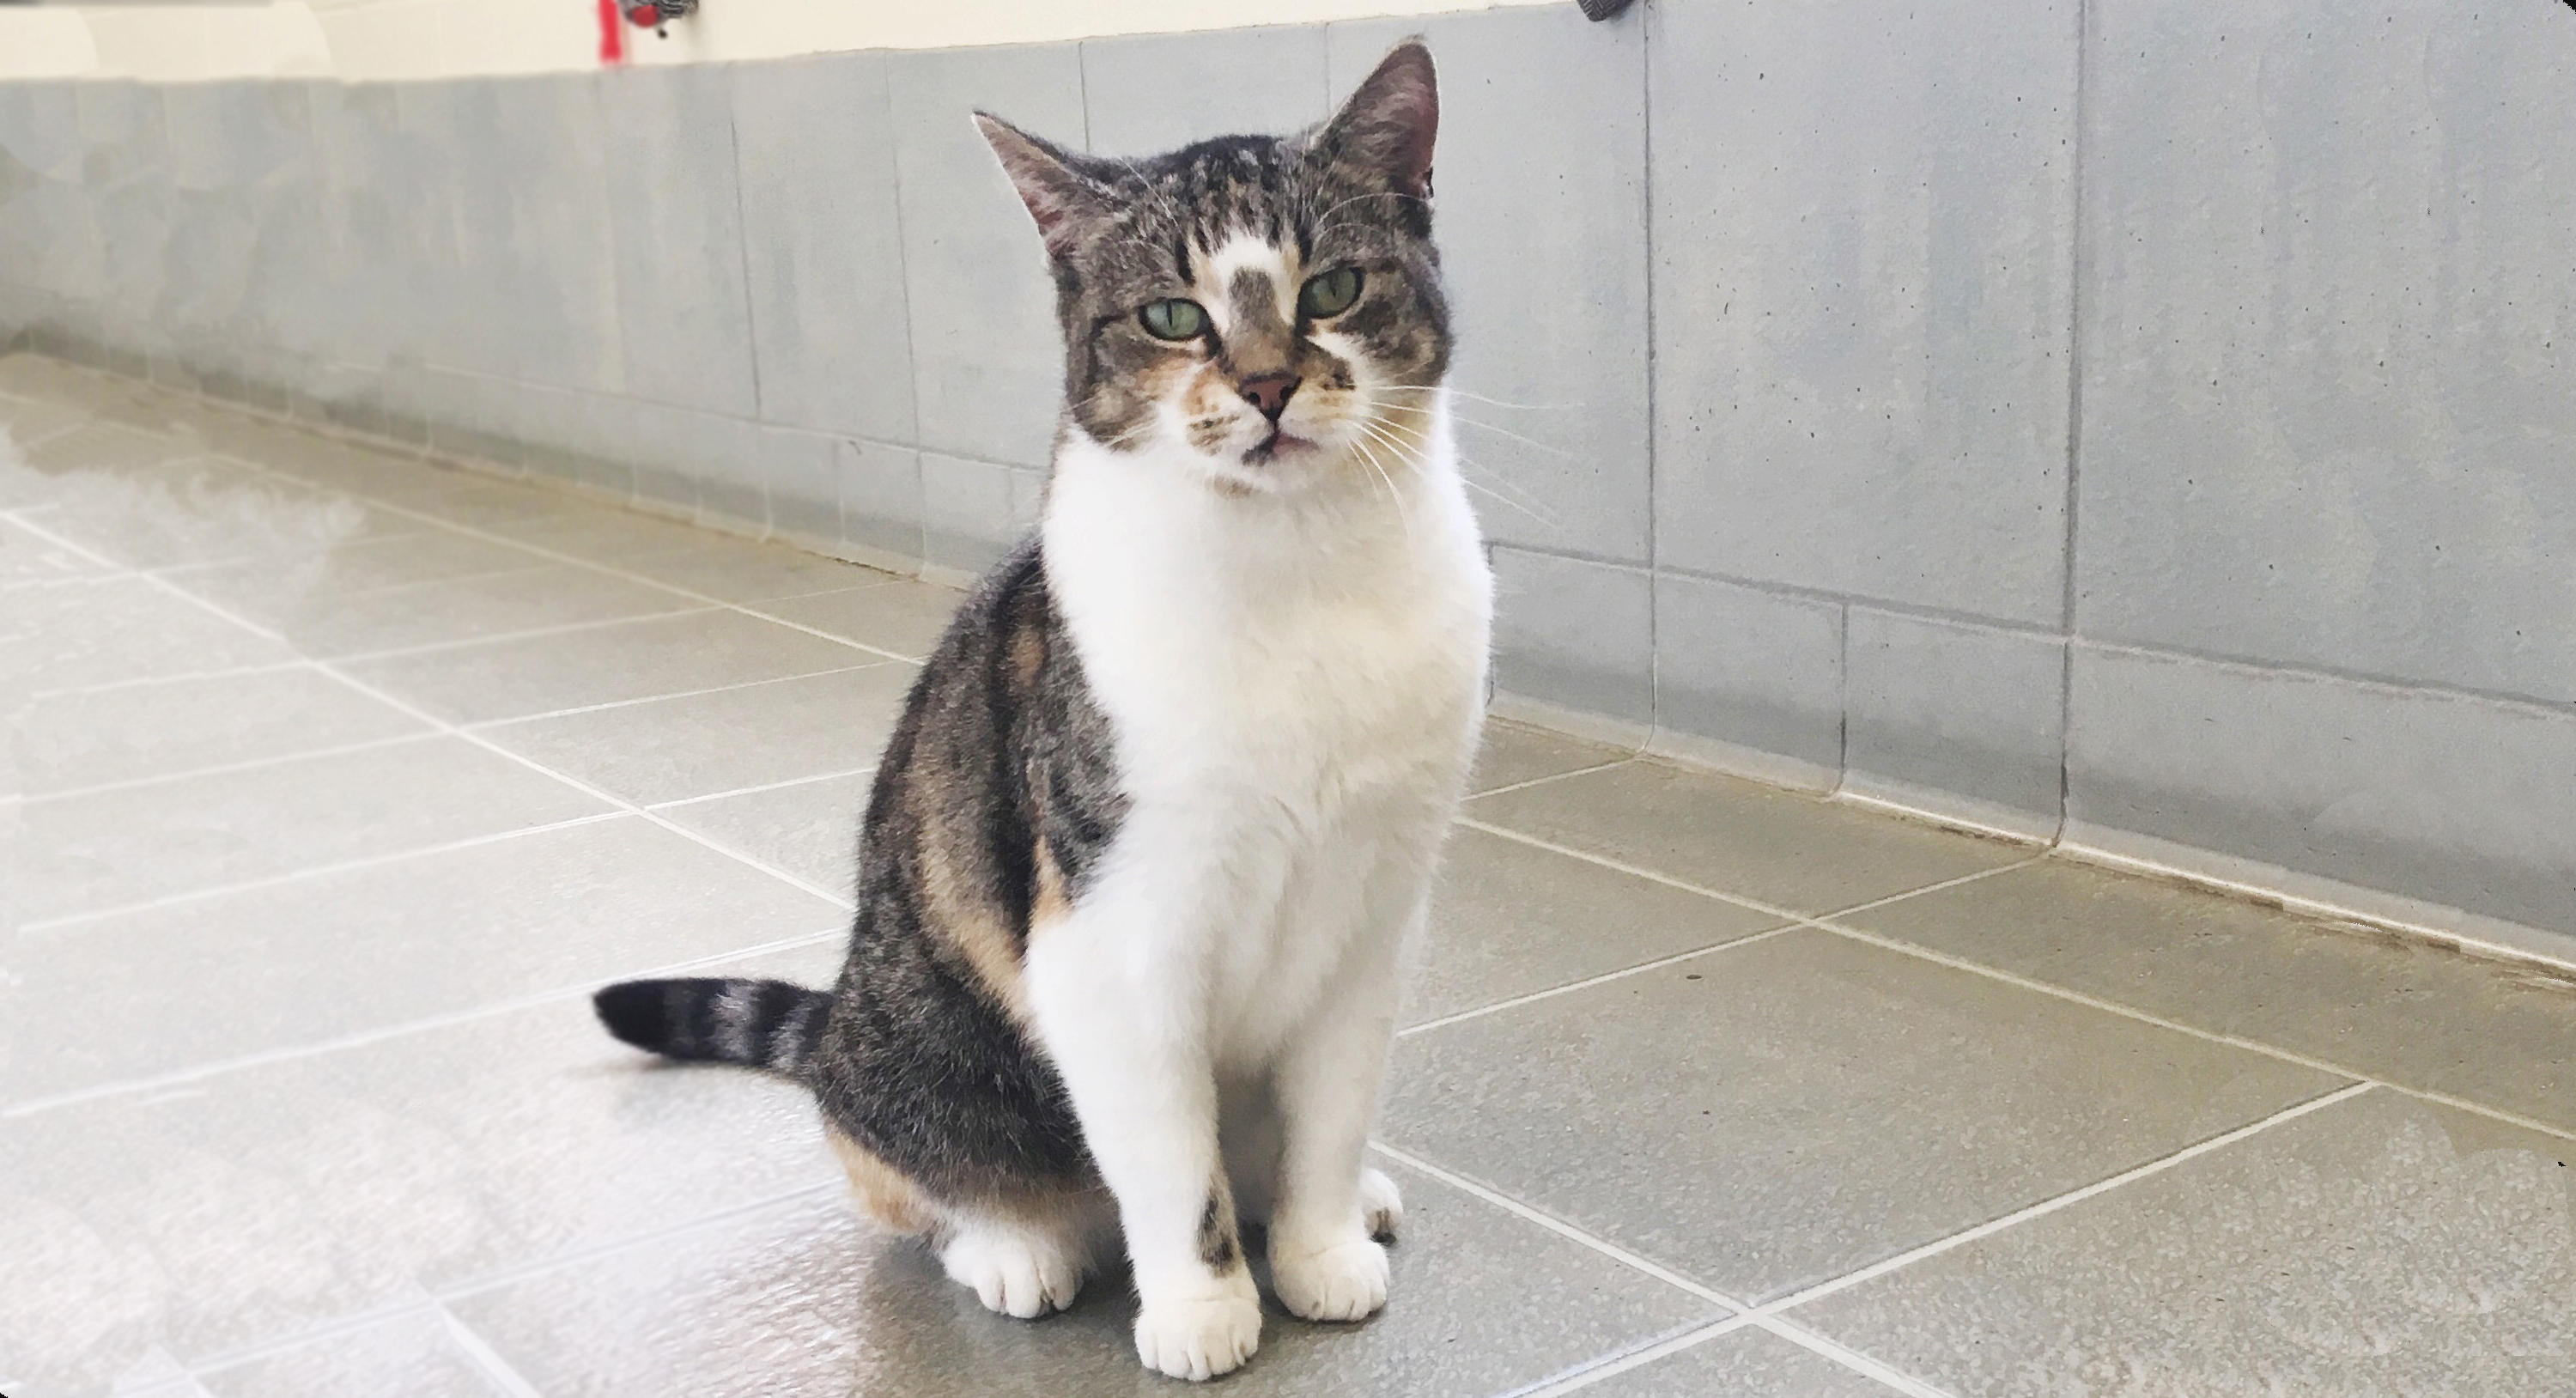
(1330, 294)
(1173, 320)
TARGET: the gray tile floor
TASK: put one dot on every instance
(334, 780)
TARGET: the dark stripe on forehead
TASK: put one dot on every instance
(1256, 301)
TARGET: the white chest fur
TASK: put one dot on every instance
(1295, 684)
(1302, 647)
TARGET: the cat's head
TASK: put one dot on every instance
(1264, 311)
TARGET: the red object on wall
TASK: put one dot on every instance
(612, 35)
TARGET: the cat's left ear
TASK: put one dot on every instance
(1387, 128)
(1061, 198)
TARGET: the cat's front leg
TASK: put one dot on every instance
(1119, 1003)
(1325, 1262)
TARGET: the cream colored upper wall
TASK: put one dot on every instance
(393, 39)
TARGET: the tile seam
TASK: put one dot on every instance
(443, 725)
(2274, 1051)
(181, 1077)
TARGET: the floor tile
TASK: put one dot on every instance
(208, 511)
(809, 829)
(904, 617)
(326, 622)
(803, 1299)
(2394, 1008)
(266, 590)
(1746, 1363)
(1516, 752)
(113, 631)
(411, 1354)
(1770, 845)
(28, 557)
(25, 421)
(114, 848)
(700, 744)
(249, 1206)
(601, 534)
(740, 570)
(104, 447)
(1507, 920)
(474, 500)
(2377, 1248)
(138, 731)
(391, 478)
(314, 959)
(1780, 1113)
(603, 665)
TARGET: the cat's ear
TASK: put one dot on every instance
(1062, 200)
(1387, 127)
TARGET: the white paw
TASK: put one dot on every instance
(1346, 1281)
(1381, 1208)
(1202, 1336)
(1013, 1272)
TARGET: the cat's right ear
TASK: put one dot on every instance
(1059, 197)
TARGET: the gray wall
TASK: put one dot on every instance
(2152, 416)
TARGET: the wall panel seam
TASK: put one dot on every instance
(2383, 684)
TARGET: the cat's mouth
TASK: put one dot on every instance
(1279, 443)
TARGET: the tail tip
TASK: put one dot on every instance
(637, 1012)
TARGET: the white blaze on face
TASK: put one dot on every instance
(1214, 286)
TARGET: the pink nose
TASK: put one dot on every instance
(1269, 393)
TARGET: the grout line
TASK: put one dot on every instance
(2049, 1206)
(485, 1358)
(493, 1281)
(539, 550)
(764, 786)
(145, 682)
(2078, 266)
(1843, 795)
(1559, 1227)
(344, 1324)
(1667, 880)
(1550, 777)
(602, 794)
(647, 580)
(175, 900)
(333, 671)
(750, 308)
(217, 770)
(362, 1038)
(1583, 1378)
(501, 637)
(1768, 1316)
(1739, 900)
(1849, 1358)
(1647, 22)
(676, 694)
(2273, 1051)
(1604, 978)
(2079, 852)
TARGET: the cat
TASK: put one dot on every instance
(1166, 801)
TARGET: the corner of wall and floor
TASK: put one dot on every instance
(2149, 429)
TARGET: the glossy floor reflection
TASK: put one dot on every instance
(335, 779)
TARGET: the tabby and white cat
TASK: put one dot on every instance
(1165, 804)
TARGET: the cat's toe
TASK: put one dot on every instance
(1013, 1274)
(1381, 1207)
(1199, 1338)
(1343, 1282)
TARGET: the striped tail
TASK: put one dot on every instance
(758, 1024)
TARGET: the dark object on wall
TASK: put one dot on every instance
(1606, 9)
(655, 14)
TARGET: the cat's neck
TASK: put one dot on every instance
(1375, 519)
